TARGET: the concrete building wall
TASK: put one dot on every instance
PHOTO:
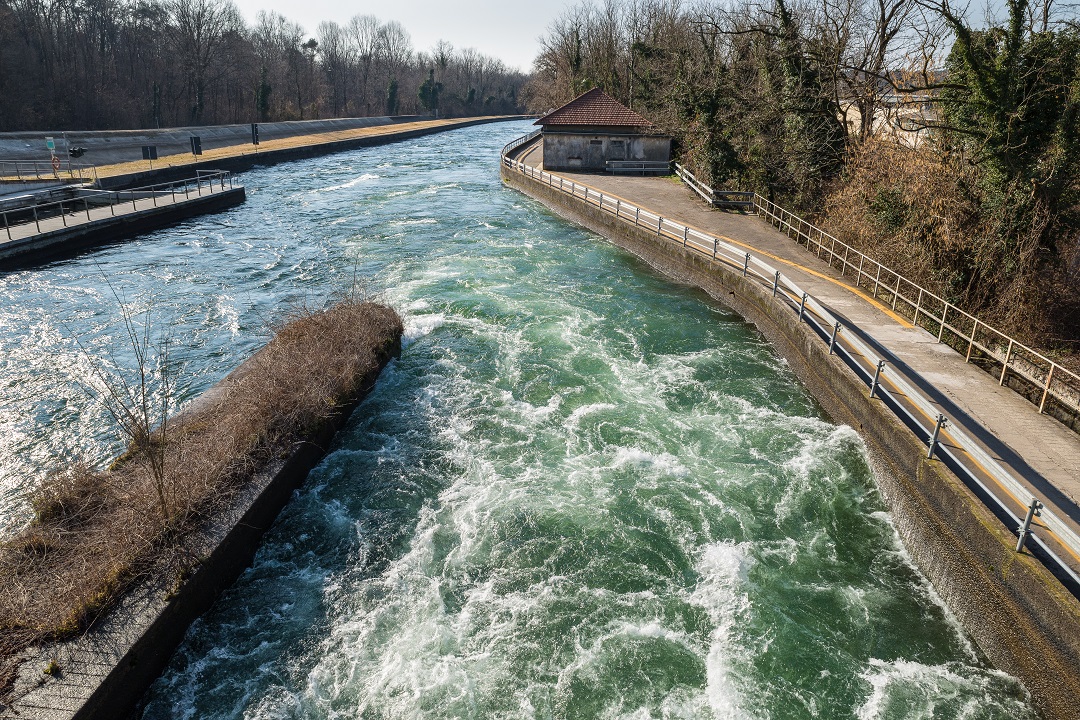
(592, 151)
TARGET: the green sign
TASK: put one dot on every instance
(49, 143)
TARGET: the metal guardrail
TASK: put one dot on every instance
(28, 170)
(638, 166)
(205, 181)
(718, 198)
(906, 400)
(1054, 389)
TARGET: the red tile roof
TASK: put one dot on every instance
(595, 108)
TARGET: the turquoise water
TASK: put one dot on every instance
(582, 492)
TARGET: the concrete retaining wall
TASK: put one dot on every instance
(250, 159)
(68, 241)
(1016, 611)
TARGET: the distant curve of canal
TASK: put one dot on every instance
(583, 491)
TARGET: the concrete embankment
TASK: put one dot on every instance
(241, 155)
(103, 673)
(88, 226)
(1018, 613)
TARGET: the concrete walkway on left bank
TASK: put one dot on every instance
(244, 155)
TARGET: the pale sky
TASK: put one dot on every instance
(506, 29)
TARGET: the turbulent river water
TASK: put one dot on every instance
(582, 492)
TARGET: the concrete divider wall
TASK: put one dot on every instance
(112, 146)
(104, 674)
(1016, 611)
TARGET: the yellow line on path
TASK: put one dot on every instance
(839, 283)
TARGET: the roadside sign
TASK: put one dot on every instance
(196, 145)
(50, 143)
(149, 152)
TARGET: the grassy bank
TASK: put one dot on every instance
(98, 533)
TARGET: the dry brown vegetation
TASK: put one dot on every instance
(97, 532)
(918, 211)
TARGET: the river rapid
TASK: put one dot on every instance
(583, 491)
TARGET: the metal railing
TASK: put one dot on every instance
(207, 182)
(718, 198)
(948, 442)
(28, 170)
(1054, 389)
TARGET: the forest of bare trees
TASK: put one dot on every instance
(944, 143)
(104, 64)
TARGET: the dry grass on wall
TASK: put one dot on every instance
(96, 533)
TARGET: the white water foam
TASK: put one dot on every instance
(723, 568)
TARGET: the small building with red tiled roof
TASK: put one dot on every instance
(596, 132)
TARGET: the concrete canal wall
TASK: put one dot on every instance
(1020, 616)
(81, 234)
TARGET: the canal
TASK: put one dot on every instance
(583, 491)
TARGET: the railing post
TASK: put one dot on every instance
(941, 328)
(8, 228)
(877, 378)
(858, 276)
(63, 215)
(1024, 530)
(918, 306)
(637, 211)
(896, 292)
(746, 264)
(877, 280)
(1005, 366)
(934, 438)
(37, 223)
(715, 244)
(659, 225)
(133, 205)
(1046, 388)
(775, 282)
(685, 231)
(86, 204)
(802, 306)
(832, 340)
(618, 206)
(971, 340)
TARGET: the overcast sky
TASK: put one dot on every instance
(506, 29)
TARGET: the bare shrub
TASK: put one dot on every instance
(96, 533)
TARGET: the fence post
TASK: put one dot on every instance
(918, 306)
(941, 328)
(832, 340)
(877, 378)
(775, 282)
(1005, 367)
(37, 222)
(877, 279)
(971, 340)
(746, 265)
(86, 204)
(858, 276)
(618, 206)
(934, 438)
(637, 211)
(715, 243)
(7, 227)
(63, 215)
(685, 231)
(1042, 403)
(659, 225)
(1024, 530)
(802, 306)
(896, 292)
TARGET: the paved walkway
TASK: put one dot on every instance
(1041, 452)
